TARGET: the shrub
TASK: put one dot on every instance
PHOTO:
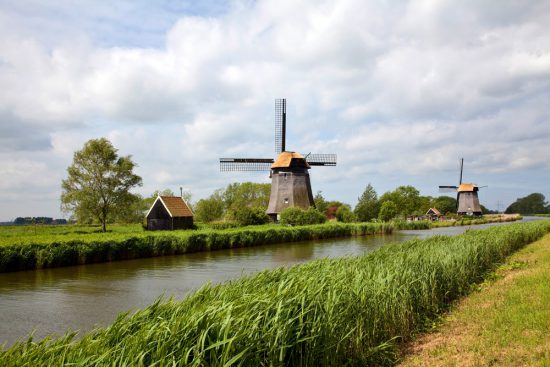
(345, 215)
(300, 217)
(251, 216)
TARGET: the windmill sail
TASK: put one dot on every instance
(280, 126)
(321, 159)
(448, 188)
(245, 164)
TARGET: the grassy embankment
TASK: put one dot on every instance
(24, 248)
(505, 323)
(348, 311)
(489, 218)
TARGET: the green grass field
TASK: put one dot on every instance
(506, 322)
(349, 311)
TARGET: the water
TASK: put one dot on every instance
(52, 301)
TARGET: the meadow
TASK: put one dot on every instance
(348, 311)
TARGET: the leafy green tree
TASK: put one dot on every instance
(345, 215)
(534, 203)
(406, 198)
(388, 211)
(99, 182)
(211, 208)
(249, 194)
(368, 206)
(445, 204)
(320, 203)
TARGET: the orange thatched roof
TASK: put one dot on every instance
(175, 205)
(434, 211)
(285, 159)
(467, 187)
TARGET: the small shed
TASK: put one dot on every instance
(169, 213)
(433, 214)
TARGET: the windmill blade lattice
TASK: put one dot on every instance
(280, 126)
(245, 164)
(321, 159)
(443, 189)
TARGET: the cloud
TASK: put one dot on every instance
(399, 90)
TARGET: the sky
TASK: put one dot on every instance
(399, 90)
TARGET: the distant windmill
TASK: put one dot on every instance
(467, 201)
(290, 183)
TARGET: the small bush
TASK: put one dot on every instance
(345, 215)
(301, 217)
(251, 216)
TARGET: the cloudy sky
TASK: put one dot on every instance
(399, 90)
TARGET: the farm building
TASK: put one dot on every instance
(169, 213)
(433, 214)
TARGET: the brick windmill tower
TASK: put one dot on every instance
(289, 172)
(467, 200)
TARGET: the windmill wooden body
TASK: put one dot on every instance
(289, 172)
(467, 200)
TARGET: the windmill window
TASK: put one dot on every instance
(286, 200)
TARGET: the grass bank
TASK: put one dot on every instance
(505, 323)
(349, 311)
(489, 218)
(46, 247)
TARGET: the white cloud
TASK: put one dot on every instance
(398, 90)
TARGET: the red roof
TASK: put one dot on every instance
(176, 206)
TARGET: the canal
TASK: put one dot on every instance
(52, 301)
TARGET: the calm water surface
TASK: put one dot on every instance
(52, 301)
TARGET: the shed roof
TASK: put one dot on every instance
(467, 187)
(284, 160)
(434, 211)
(175, 206)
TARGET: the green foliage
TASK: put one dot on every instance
(246, 194)
(445, 204)
(407, 200)
(320, 203)
(331, 312)
(531, 204)
(368, 206)
(251, 216)
(98, 183)
(300, 217)
(345, 215)
(388, 211)
(210, 209)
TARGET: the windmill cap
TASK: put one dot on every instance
(467, 187)
(284, 160)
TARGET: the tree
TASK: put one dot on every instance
(445, 204)
(249, 194)
(99, 182)
(367, 205)
(388, 211)
(345, 215)
(531, 204)
(320, 203)
(250, 216)
(406, 198)
(210, 209)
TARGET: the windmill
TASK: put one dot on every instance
(467, 201)
(290, 183)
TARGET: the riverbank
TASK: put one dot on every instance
(331, 312)
(64, 248)
(505, 322)
(488, 218)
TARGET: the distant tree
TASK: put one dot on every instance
(388, 211)
(368, 206)
(241, 194)
(406, 199)
(210, 209)
(332, 208)
(531, 204)
(445, 204)
(345, 215)
(320, 203)
(99, 182)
